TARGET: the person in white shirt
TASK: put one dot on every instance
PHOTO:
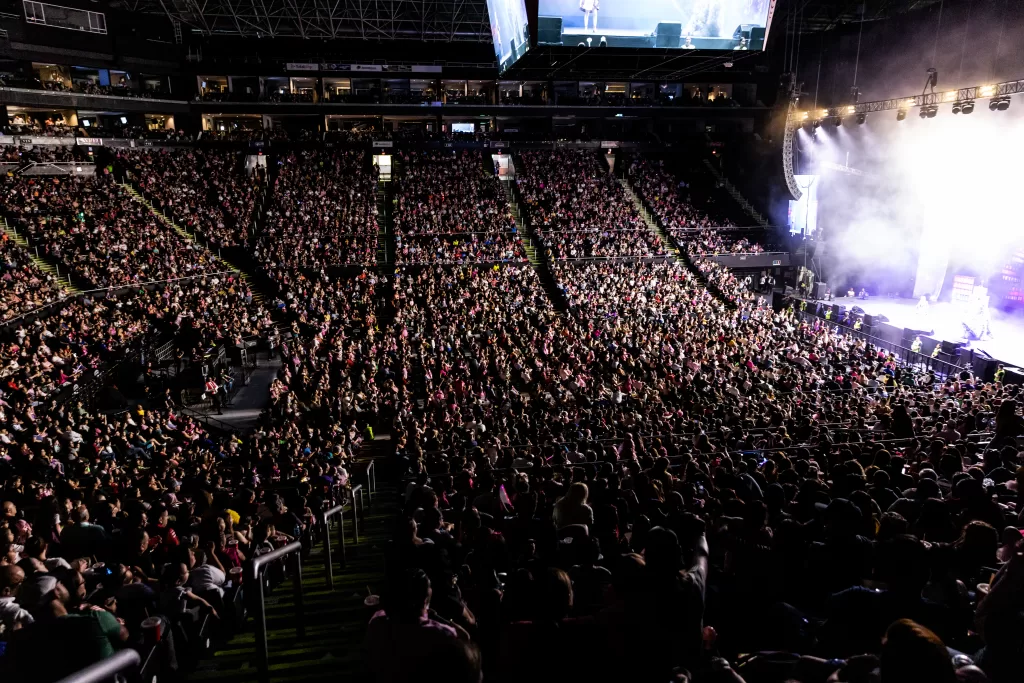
(12, 615)
(207, 574)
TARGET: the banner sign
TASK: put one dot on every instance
(94, 142)
(383, 143)
(301, 66)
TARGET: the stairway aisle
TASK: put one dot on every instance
(335, 620)
(737, 196)
(537, 257)
(166, 220)
(652, 224)
(64, 279)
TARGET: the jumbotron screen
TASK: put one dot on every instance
(682, 24)
(510, 30)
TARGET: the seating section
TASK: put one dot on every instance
(615, 465)
(692, 229)
(23, 286)
(578, 210)
(449, 209)
(206, 192)
(322, 211)
(97, 231)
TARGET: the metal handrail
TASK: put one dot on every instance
(328, 558)
(258, 564)
(111, 290)
(105, 669)
(371, 481)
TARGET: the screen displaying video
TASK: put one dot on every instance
(510, 30)
(682, 24)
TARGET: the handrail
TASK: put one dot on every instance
(111, 290)
(371, 480)
(328, 559)
(105, 669)
(256, 577)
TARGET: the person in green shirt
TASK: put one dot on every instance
(83, 635)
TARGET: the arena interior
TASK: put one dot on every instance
(511, 341)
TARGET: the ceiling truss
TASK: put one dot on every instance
(426, 20)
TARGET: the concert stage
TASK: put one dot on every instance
(944, 319)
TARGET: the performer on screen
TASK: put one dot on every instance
(589, 8)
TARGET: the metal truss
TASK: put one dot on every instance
(930, 99)
(425, 20)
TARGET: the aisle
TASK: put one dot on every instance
(335, 620)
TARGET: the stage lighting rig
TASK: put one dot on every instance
(999, 104)
(967, 107)
(901, 114)
(928, 111)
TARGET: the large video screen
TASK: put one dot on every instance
(683, 24)
(510, 30)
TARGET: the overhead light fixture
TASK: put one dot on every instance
(861, 118)
(956, 107)
(901, 114)
(999, 104)
(928, 111)
(839, 121)
(851, 109)
(987, 90)
(967, 107)
(950, 96)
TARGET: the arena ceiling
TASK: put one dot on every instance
(434, 20)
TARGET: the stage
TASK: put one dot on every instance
(944, 319)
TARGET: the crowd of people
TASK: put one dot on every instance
(641, 479)
(578, 209)
(23, 285)
(207, 192)
(99, 232)
(322, 210)
(449, 208)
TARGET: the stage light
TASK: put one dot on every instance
(851, 109)
(839, 121)
(901, 114)
(968, 106)
(803, 116)
(923, 113)
(861, 118)
(950, 96)
(932, 111)
(987, 90)
(910, 102)
(993, 104)
(1000, 103)
(823, 114)
(604, 42)
(956, 107)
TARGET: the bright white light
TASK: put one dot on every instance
(851, 109)
(950, 96)
(948, 182)
(988, 90)
(910, 102)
